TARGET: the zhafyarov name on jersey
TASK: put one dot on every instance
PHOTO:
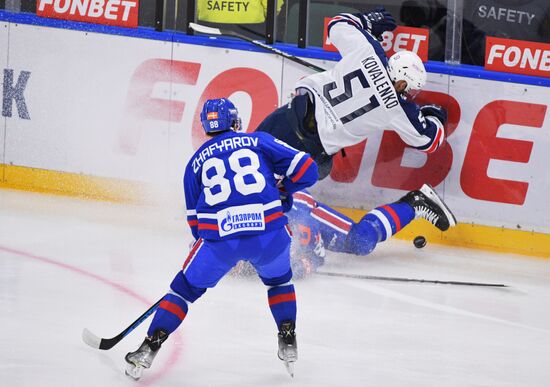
(381, 82)
(223, 146)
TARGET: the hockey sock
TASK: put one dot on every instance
(282, 302)
(389, 219)
(169, 315)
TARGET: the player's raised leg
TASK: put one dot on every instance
(381, 223)
(428, 205)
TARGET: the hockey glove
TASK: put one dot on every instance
(286, 198)
(436, 111)
(379, 21)
(287, 201)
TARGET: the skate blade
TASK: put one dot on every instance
(427, 190)
(133, 371)
(289, 365)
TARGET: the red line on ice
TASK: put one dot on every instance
(176, 351)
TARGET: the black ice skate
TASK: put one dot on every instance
(143, 357)
(288, 348)
(428, 205)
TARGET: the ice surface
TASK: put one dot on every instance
(67, 264)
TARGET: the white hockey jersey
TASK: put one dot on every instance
(357, 97)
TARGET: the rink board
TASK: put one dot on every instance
(116, 118)
(4, 64)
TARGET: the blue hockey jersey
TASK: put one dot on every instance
(231, 188)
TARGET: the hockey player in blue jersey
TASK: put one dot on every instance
(235, 212)
(364, 93)
(317, 227)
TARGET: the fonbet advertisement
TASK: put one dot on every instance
(122, 13)
(129, 108)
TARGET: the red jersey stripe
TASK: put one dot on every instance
(306, 198)
(192, 253)
(340, 18)
(193, 223)
(273, 216)
(279, 298)
(302, 170)
(208, 226)
(435, 144)
(172, 308)
(325, 215)
(394, 216)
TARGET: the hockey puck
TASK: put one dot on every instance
(419, 242)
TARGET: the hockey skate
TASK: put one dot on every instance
(143, 357)
(428, 205)
(288, 348)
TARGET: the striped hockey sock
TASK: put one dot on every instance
(282, 302)
(169, 315)
(390, 219)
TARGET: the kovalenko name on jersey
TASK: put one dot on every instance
(222, 146)
(377, 75)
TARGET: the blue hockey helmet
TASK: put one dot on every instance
(219, 115)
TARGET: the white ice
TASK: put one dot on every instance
(66, 264)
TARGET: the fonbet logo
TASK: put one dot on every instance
(517, 56)
(123, 13)
(406, 38)
(402, 38)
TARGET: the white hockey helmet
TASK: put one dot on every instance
(407, 66)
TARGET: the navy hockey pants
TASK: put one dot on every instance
(288, 123)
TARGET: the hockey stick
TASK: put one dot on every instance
(101, 343)
(222, 32)
(401, 279)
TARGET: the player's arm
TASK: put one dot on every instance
(423, 127)
(191, 187)
(348, 31)
(298, 169)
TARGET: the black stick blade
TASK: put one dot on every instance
(97, 342)
(400, 279)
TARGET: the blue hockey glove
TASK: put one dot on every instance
(287, 200)
(436, 111)
(379, 21)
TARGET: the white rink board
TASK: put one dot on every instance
(76, 99)
(3, 64)
(127, 108)
(534, 172)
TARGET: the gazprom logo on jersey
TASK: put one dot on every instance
(241, 218)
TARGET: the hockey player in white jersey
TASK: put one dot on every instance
(364, 93)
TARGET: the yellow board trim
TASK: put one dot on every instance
(124, 191)
(71, 184)
(476, 236)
